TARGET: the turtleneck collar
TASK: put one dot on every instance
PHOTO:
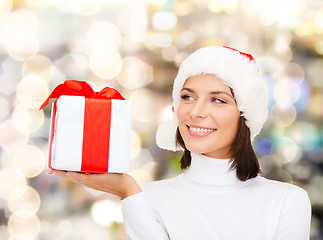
(206, 173)
(211, 171)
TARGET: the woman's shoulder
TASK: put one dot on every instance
(280, 184)
(292, 200)
(283, 189)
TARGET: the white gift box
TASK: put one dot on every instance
(90, 134)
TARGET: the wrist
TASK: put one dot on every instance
(134, 189)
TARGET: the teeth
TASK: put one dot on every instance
(201, 130)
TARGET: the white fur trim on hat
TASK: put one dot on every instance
(237, 70)
(166, 134)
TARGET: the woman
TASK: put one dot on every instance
(220, 105)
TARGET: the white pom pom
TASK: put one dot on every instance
(166, 135)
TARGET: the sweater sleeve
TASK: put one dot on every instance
(140, 221)
(295, 217)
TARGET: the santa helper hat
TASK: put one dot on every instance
(237, 70)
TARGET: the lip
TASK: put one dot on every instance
(199, 134)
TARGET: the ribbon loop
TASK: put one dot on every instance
(81, 88)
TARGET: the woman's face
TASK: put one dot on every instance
(207, 116)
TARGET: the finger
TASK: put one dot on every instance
(83, 178)
(60, 173)
(78, 176)
(66, 175)
(51, 171)
(88, 180)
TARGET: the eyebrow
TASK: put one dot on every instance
(212, 92)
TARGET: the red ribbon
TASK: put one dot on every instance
(81, 88)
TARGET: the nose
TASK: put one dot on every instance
(199, 110)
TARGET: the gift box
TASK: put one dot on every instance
(90, 131)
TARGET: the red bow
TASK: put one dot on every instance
(81, 88)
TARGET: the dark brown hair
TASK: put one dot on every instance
(244, 159)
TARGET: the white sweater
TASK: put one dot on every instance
(208, 201)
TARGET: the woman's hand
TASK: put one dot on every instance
(119, 184)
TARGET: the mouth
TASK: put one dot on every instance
(200, 131)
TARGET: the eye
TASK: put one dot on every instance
(218, 100)
(187, 97)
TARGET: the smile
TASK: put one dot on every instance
(200, 130)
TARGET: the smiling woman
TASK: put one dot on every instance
(219, 105)
(207, 116)
(210, 123)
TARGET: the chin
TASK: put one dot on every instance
(198, 149)
(222, 153)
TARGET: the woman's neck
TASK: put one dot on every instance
(211, 171)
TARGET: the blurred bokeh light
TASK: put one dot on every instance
(136, 47)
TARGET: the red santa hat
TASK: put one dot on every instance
(237, 70)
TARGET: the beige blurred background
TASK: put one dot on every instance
(136, 47)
